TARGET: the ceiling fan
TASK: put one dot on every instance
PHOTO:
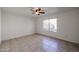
(38, 11)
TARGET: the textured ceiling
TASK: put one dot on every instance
(27, 10)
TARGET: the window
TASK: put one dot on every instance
(50, 25)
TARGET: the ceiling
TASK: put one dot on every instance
(27, 10)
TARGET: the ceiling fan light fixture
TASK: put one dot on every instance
(37, 13)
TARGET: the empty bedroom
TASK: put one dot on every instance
(39, 29)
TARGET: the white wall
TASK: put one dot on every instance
(67, 23)
(0, 25)
(15, 25)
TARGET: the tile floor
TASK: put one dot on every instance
(37, 43)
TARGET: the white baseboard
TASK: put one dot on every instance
(19, 37)
(58, 38)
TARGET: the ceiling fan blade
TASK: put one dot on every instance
(42, 12)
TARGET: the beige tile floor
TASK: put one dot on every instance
(37, 43)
